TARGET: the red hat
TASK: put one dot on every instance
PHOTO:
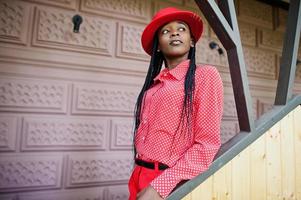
(165, 16)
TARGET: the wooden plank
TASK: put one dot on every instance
(204, 191)
(257, 170)
(297, 140)
(273, 160)
(241, 176)
(222, 181)
(288, 157)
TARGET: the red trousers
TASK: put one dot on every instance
(141, 178)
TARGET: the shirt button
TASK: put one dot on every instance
(143, 138)
(144, 121)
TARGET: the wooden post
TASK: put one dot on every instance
(223, 21)
(289, 54)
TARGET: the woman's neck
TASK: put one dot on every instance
(172, 63)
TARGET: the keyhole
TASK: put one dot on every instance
(77, 20)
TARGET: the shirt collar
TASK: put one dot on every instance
(177, 72)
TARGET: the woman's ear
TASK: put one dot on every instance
(159, 48)
(192, 43)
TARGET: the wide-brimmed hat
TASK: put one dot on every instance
(165, 16)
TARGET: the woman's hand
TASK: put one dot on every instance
(149, 193)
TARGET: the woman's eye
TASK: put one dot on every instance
(164, 31)
(182, 29)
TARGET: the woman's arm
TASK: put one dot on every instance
(200, 155)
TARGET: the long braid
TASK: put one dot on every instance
(153, 70)
(189, 86)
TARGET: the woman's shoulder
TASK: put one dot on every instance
(207, 78)
(206, 72)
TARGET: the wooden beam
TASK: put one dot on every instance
(222, 19)
(289, 54)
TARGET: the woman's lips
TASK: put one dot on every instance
(175, 42)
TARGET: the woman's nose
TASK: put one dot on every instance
(174, 33)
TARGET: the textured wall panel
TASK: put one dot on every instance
(14, 20)
(8, 132)
(92, 98)
(122, 132)
(129, 45)
(106, 168)
(281, 19)
(260, 63)
(94, 193)
(210, 56)
(32, 95)
(54, 28)
(228, 129)
(190, 3)
(272, 40)
(247, 34)
(117, 193)
(71, 4)
(135, 10)
(66, 133)
(254, 107)
(28, 172)
(229, 107)
(298, 73)
(180, 2)
(9, 197)
(256, 12)
(158, 5)
(264, 105)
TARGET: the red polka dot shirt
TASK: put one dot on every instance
(160, 137)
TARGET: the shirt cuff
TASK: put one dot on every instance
(164, 184)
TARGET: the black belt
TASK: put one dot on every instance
(150, 165)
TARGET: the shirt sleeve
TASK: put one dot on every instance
(200, 155)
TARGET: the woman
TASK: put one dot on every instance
(178, 111)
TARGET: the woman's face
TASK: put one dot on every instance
(175, 40)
